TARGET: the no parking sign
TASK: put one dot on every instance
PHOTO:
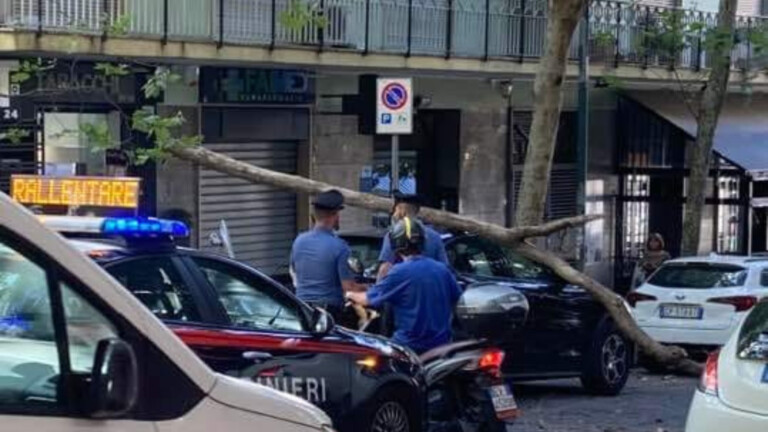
(394, 106)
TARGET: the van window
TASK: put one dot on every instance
(29, 359)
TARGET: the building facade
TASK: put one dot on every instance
(289, 99)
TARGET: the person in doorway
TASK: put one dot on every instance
(653, 257)
(319, 258)
(409, 206)
(421, 291)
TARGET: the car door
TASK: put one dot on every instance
(49, 332)
(267, 337)
(554, 332)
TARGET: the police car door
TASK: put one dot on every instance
(271, 343)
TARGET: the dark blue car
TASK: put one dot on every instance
(567, 334)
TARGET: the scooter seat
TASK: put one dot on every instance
(444, 350)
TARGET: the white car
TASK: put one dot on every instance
(699, 301)
(78, 352)
(733, 393)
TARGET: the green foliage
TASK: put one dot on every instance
(162, 130)
(14, 135)
(604, 39)
(98, 136)
(112, 70)
(30, 68)
(303, 13)
(119, 27)
(158, 83)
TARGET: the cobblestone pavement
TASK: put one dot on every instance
(649, 403)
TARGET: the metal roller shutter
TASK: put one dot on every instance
(261, 219)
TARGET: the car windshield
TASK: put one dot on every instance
(365, 250)
(474, 255)
(753, 339)
(699, 276)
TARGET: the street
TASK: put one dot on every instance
(649, 403)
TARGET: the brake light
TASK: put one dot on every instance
(708, 382)
(635, 297)
(741, 303)
(491, 360)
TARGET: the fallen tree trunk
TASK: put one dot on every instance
(514, 237)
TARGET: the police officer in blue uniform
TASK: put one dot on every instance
(319, 258)
(421, 291)
(409, 206)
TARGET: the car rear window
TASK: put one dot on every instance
(699, 276)
(753, 339)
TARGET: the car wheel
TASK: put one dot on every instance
(607, 363)
(389, 412)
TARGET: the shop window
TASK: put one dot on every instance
(728, 216)
(69, 150)
(636, 214)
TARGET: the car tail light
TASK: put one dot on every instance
(741, 303)
(491, 359)
(708, 382)
(635, 297)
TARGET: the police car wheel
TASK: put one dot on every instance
(389, 413)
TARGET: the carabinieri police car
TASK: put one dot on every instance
(244, 324)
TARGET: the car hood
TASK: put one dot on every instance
(378, 344)
(262, 400)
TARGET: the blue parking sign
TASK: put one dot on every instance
(386, 118)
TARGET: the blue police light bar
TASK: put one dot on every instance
(138, 227)
(126, 227)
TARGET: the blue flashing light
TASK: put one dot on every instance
(144, 227)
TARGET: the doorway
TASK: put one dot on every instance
(429, 159)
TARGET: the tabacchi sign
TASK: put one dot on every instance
(122, 192)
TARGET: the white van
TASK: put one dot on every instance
(79, 353)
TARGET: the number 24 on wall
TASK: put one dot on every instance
(9, 114)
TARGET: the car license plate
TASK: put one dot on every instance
(504, 402)
(682, 312)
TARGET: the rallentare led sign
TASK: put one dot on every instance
(76, 191)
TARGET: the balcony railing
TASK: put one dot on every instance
(483, 29)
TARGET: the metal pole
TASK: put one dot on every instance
(583, 129)
(221, 24)
(321, 30)
(395, 183)
(487, 28)
(39, 18)
(509, 162)
(367, 26)
(165, 22)
(521, 48)
(273, 35)
(449, 31)
(410, 28)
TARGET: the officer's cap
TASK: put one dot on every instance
(331, 200)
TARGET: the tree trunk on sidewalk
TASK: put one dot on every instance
(700, 153)
(513, 237)
(563, 16)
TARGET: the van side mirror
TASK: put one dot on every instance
(114, 388)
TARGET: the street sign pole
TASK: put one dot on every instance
(395, 185)
(394, 117)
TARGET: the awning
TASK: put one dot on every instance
(742, 132)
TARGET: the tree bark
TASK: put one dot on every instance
(700, 153)
(563, 15)
(513, 237)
